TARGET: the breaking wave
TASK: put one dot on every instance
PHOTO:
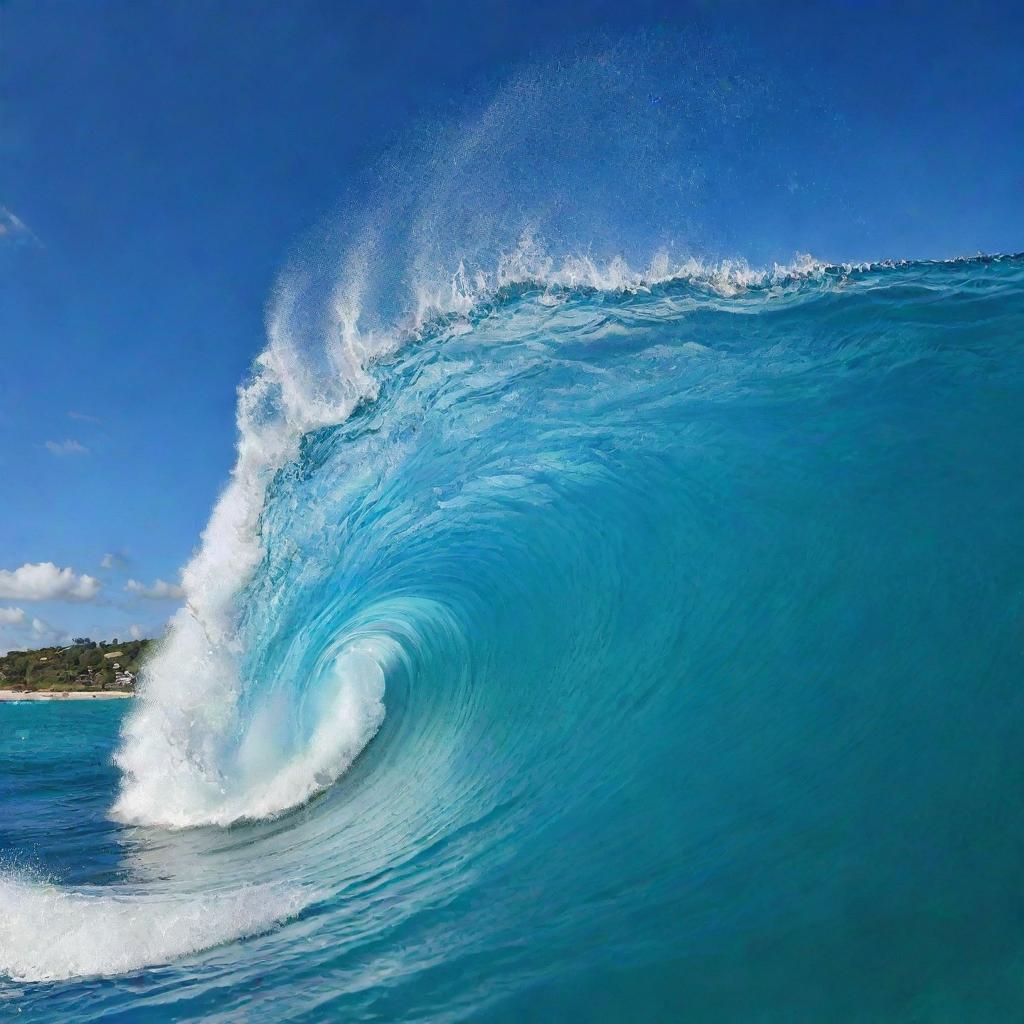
(566, 628)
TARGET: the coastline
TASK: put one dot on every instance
(17, 695)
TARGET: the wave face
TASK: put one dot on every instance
(607, 646)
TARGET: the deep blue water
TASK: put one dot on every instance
(648, 653)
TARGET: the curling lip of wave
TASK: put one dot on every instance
(183, 746)
(257, 788)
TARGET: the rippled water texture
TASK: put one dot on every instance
(648, 653)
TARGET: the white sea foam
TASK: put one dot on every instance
(172, 745)
(268, 774)
(529, 264)
(49, 934)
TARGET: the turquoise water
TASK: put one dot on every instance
(639, 652)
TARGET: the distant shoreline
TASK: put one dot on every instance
(85, 667)
(19, 695)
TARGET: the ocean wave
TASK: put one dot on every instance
(582, 608)
(192, 750)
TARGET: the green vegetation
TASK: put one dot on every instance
(84, 665)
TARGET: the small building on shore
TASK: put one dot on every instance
(124, 681)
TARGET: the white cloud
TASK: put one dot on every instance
(114, 560)
(160, 590)
(12, 628)
(45, 635)
(40, 628)
(84, 417)
(18, 631)
(43, 581)
(135, 630)
(68, 447)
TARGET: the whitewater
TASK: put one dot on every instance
(592, 627)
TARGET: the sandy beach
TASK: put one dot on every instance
(13, 695)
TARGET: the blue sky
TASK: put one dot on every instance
(159, 160)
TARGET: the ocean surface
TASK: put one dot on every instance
(606, 647)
